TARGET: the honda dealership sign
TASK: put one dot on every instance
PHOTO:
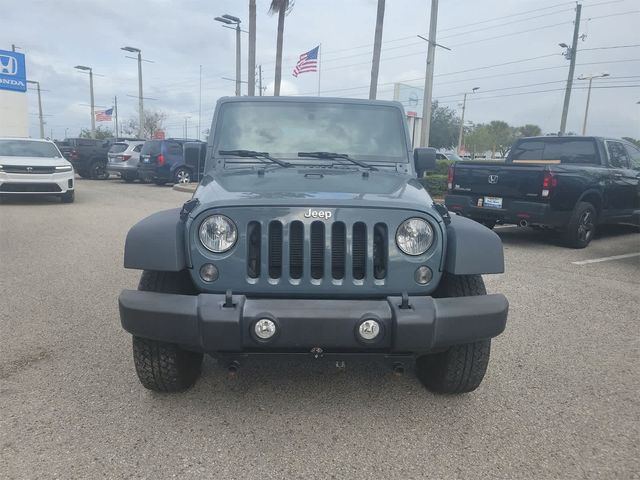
(13, 74)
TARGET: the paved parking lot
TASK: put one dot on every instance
(560, 399)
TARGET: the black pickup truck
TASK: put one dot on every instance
(88, 156)
(570, 184)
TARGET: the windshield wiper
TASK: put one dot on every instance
(254, 154)
(337, 156)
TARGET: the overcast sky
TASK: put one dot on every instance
(179, 36)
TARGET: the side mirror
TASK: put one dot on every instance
(424, 160)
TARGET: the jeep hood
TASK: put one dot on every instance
(313, 187)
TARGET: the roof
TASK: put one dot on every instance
(296, 99)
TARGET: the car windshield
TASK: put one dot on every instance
(366, 132)
(26, 148)
(118, 148)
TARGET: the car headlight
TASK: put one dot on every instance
(64, 168)
(414, 236)
(218, 233)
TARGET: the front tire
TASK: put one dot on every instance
(162, 366)
(460, 368)
(68, 197)
(582, 226)
(98, 170)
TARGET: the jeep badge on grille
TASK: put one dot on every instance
(326, 214)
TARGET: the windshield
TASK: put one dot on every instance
(367, 132)
(25, 148)
(118, 148)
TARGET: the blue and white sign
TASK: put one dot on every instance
(13, 73)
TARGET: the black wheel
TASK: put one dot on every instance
(582, 226)
(162, 366)
(98, 170)
(165, 367)
(68, 197)
(182, 175)
(129, 178)
(460, 368)
(84, 173)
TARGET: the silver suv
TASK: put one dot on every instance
(123, 159)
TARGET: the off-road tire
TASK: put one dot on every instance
(161, 366)
(68, 197)
(582, 226)
(165, 367)
(460, 368)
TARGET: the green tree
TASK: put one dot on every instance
(636, 142)
(478, 140)
(502, 136)
(444, 127)
(101, 133)
(282, 8)
(529, 130)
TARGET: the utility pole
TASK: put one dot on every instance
(200, 105)
(572, 67)
(464, 106)
(377, 47)
(251, 71)
(586, 110)
(428, 81)
(37, 84)
(260, 78)
(140, 100)
(115, 108)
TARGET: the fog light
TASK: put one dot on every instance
(423, 275)
(369, 329)
(265, 328)
(209, 272)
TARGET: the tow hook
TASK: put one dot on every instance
(233, 367)
(398, 368)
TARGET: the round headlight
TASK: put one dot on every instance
(218, 233)
(414, 236)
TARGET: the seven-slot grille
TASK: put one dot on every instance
(317, 251)
(26, 169)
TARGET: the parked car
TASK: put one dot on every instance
(175, 160)
(450, 156)
(310, 252)
(87, 155)
(124, 159)
(571, 184)
(29, 166)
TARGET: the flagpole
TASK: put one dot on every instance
(319, 66)
(115, 105)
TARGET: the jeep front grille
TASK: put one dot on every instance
(317, 251)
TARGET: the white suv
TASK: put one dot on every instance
(29, 166)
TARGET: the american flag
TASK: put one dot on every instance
(104, 115)
(308, 62)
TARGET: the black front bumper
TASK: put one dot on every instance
(204, 322)
(512, 212)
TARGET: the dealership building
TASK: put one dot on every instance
(14, 109)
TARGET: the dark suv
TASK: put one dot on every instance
(176, 160)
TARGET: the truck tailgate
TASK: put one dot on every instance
(498, 179)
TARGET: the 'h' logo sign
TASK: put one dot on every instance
(8, 65)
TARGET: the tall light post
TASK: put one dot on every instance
(586, 110)
(140, 104)
(231, 20)
(464, 106)
(37, 84)
(93, 114)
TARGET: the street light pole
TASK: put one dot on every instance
(586, 110)
(37, 84)
(93, 115)
(231, 20)
(464, 106)
(140, 95)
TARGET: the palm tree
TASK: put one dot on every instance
(251, 72)
(377, 46)
(281, 7)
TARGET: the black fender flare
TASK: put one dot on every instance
(472, 248)
(157, 243)
(592, 192)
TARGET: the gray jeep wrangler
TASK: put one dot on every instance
(311, 235)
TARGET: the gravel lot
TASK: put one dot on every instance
(560, 399)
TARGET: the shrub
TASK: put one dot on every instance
(435, 184)
(442, 167)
